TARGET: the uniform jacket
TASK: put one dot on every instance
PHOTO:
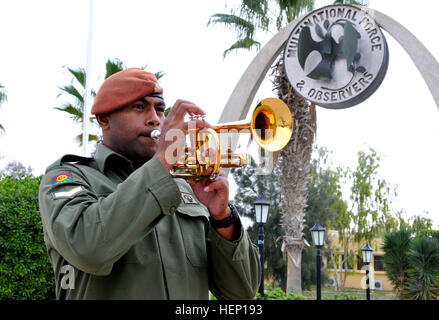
(112, 232)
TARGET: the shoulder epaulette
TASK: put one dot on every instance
(70, 158)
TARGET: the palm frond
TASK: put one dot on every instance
(3, 96)
(2, 129)
(70, 89)
(240, 25)
(75, 113)
(292, 9)
(254, 7)
(79, 74)
(424, 271)
(91, 138)
(355, 2)
(113, 66)
(159, 74)
(93, 120)
(256, 11)
(246, 43)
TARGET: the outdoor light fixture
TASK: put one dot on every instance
(262, 207)
(367, 253)
(367, 259)
(318, 237)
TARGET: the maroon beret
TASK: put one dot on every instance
(123, 88)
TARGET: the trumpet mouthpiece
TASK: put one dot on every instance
(155, 134)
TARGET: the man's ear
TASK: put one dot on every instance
(103, 120)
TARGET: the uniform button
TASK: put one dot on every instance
(172, 210)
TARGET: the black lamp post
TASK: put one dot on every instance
(367, 259)
(262, 207)
(318, 237)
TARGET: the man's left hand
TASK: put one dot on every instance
(214, 194)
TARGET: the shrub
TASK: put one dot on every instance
(396, 262)
(278, 294)
(412, 264)
(344, 296)
(25, 269)
(423, 281)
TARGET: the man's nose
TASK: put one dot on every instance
(153, 119)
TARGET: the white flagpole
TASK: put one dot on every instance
(87, 82)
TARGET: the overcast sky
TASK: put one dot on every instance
(400, 121)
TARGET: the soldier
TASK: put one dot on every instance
(118, 226)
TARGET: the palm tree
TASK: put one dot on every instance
(255, 16)
(423, 281)
(396, 260)
(3, 98)
(76, 109)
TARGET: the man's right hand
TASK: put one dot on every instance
(174, 130)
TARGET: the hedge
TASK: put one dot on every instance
(25, 270)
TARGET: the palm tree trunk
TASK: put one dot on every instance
(295, 173)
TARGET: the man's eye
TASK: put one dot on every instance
(160, 109)
(139, 106)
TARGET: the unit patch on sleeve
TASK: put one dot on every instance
(61, 178)
(188, 198)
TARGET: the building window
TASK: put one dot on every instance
(360, 263)
(378, 263)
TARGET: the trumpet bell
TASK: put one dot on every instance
(271, 124)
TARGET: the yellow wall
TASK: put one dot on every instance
(357, 278)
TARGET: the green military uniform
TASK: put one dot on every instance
(139, 234)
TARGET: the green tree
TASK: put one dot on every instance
(250, 186)
(370, 199)
(420, 223)
(323, 193)
(3, 98)
(396, 262)
(76, 91)
(367, 213)
(249, 20)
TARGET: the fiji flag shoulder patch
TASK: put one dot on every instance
(61, 178)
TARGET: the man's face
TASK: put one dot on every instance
(129, 129)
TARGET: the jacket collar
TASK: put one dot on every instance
(105, 157)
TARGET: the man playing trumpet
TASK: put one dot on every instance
(124, 228)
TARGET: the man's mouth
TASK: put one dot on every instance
(146, 136)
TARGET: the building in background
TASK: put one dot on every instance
(356, 271)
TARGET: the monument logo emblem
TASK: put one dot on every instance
(336, 56)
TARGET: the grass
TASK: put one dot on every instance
(329, 293)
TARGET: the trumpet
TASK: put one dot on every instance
(271, 126)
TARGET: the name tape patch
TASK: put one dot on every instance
(61, 178)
